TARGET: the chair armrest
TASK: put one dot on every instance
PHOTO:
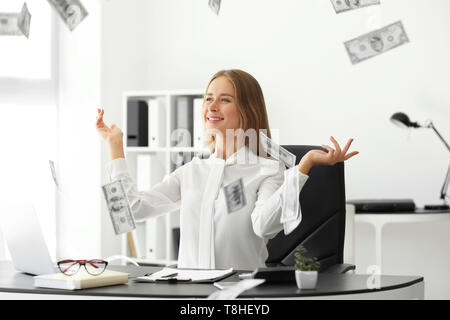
(340, 268)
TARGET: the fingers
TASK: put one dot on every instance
(336, 145)
(330, 156)
(347, 146)
(100, 113)
(351, 154)
(99, 120)
(330, 149)
(340, 155)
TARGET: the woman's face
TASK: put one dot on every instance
(219, 109)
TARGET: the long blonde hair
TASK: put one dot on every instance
(250, 104)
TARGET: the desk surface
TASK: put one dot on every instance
(328, 284)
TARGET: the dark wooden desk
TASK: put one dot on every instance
(18, 285)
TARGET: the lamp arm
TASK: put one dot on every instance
(447, 177)
(431, 125)
(445, 185)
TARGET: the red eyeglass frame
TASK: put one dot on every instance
(82, 263)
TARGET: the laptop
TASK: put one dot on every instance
(25, 240)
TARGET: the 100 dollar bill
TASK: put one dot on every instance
(119, 207)
(71, 11)
(15, 24)
(215, 5)
(346, 5)
(376, 42)
(276, 151)
(235, 196)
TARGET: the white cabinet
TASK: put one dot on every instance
(174, 118)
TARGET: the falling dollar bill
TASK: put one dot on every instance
(16, 24)
(71, 11)
(235, 196)
(376, 42)
(290, 197)
(346, 5)
(276, 151)
(53, 170)
(119, 207)
(215, 6)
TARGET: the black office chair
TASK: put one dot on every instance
(322, 228)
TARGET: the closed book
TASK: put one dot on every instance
(80, 280)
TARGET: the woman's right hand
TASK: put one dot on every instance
(112, 135)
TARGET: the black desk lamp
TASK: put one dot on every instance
(403, 121)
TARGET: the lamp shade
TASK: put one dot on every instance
(402, 120)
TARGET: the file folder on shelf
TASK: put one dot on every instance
(137, 123)
(156, 119)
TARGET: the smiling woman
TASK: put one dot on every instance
(237, 97)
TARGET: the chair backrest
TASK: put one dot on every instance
(322, 229)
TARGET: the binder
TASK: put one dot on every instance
(155, 240)
(137, 123)
(184, 121)
(199, 139)
(143, 165)
(156, 120)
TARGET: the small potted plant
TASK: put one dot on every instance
(306, 269)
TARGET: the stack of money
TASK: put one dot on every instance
(376, 42)
(71, 11)
(16, 24)
(346, 5)
(235, 196)
(215, 5)
(276, 151)
(119, 207)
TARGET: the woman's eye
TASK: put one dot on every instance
(208, 99)
(225, 100)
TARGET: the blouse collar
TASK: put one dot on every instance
(242, 155)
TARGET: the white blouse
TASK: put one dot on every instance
(210, 237)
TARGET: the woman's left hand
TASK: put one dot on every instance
(320, 157)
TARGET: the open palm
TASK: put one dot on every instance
(331, 156)
(107, 133)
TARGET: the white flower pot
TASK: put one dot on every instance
(306, 279)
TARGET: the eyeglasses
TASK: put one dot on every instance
(94, 267)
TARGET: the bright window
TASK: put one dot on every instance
(27, 58)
